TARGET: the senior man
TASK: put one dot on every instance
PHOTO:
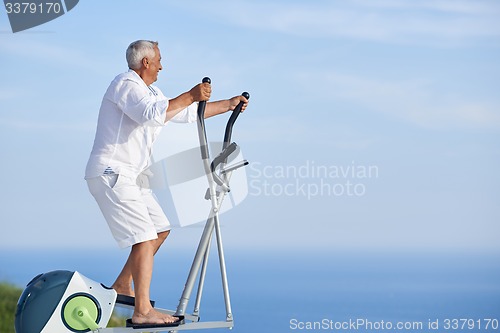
(132, 113)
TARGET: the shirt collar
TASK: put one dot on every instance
(135, 77)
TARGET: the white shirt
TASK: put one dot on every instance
(131, 116)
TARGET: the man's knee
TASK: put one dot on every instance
(163, 235)
(161, 238)
(144, 247)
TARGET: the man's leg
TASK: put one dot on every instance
(123, 283)
(141, 265)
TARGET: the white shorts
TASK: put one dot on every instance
(132, 211)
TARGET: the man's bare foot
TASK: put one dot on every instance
(153, 317)
(170, 319)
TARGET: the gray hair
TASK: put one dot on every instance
(139, 50)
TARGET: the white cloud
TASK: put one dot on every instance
(414, 101)
(401, 22)
(46, 126)
(446, 6)
(7, 93)
(44, 50)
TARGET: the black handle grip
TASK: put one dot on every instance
(232, 120)
(201, 124)
(222, 157)
(202, 104)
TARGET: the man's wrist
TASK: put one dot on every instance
(190, 98)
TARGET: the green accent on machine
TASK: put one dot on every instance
(80, 313)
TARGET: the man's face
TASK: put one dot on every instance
(154, 66)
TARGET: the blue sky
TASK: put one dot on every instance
(407, 87)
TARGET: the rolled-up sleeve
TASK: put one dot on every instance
(187, 115)
(145, 109)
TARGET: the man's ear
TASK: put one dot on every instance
(145, 62)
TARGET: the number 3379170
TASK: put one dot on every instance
(33, 8)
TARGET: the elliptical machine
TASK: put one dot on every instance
(67, 301)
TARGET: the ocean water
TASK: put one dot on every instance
(299, 292)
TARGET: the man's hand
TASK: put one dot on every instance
(233, 102)
(201, 92)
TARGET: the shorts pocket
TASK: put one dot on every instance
(125, 188)
(112, 180)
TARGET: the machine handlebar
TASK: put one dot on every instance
(227, 147)
(232, 120)
(201, 125)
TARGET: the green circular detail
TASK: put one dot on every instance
(73, 314)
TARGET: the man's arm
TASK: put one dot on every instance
(218, 107)
(200, 92)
